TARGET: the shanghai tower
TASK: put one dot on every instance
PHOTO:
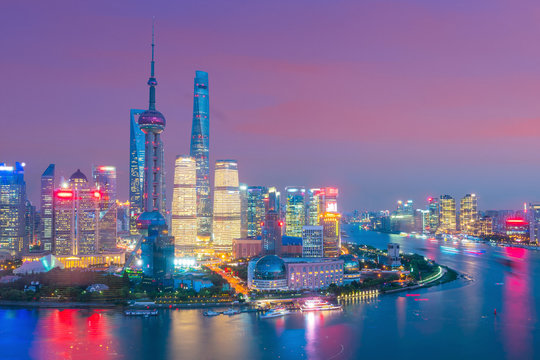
(152, 123)
(200, 133)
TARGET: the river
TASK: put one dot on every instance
(453, 321)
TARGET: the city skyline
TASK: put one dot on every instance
(398, 95)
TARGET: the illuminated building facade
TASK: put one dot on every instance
(331, 233)
(246, 248)
(434, 214)
(448, 214)
(136, 168)
(295, 212)
(272, 231)
(85, 261)
(227, 206)
(313, 241)
(243, 188)
(157, 247)
(274, 200)
(105, 181)
(468, 214)
(12, 208)
(534, 222)
(485, 226)
(47, 208)
(314, 206)
(76, 217)
(184, 205)
(200, 149)
(328, 196)
(256, 210)
(517, 228)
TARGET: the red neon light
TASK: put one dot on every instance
(97, 194)
(516, 221)
(331, 191)
(281, 223)
(64, 194)
(430, 199)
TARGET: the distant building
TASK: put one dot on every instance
(157, 248)
(272, 232)
(184, 205)
(434, 214)
(257, 196)
(291, 246)
(105, 181)
(12, 208)
(485, 226)
(468, 214)
(331, 223)
(136, 168)
(517, 228)
(312, 241)
(314, 206)
(227, 205)
(47, 208)
(534, 222)
(243, 191)
(295, 216)
(393, 255)
(448, 214)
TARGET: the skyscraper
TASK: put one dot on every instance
(331, 233)
(468, 214)
(434, 214)
(136, 169)
(184, 205)
(295, 213)
(47, 208)
(105, 180)
(313, 208)
(272, 233)
(200, 148)
(12, 208)
(152, 123)
(256, 210)
(243, 188)
(448, 214)
(227, 222)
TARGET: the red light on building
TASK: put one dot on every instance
(97, 194)
(430, 199)
(516, 222)
(331, 191)
(281, 223)
(64, 194)
(262, 224)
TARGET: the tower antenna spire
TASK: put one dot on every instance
(152, 82)
(153, 44)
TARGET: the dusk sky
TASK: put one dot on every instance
(386, 100)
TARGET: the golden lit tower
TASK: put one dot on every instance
(468, 214)
(227, 205)
(184, 205)
(448, 214)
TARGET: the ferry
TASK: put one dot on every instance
(231, 312)
(144, 313)
(275, 313)
(318, 305)
(210, 313)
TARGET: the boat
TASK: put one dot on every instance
(210, 313)
(275, 313)
(144, 313)
(231, 312)
(318, 305)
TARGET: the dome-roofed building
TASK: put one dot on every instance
(152, 119)
(270, 273)
(78, 180)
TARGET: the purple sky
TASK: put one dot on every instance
(385, 99)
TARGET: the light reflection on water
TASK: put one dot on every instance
(456, 321)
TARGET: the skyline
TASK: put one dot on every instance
(267, 78)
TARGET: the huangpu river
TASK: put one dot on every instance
(453, 321)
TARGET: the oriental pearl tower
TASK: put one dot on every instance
(152, 123)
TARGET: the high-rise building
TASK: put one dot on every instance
(314, 206)
(313, 241)
(434, 214)
(227, 206)
(136, 169)
(157, 247)
(272, 231)
(447, 214)
(534, 222)
(31, 222)
(12, 208)
(295, 212)
(184, 205)
(200, 148)
(152, 123)
(328, 196)
(331, 233)
(47, 208)
(105, 181)
(468, 214)
(243, 188)
(274, 198)
(76, 217)
(256, 210)
(485, 226)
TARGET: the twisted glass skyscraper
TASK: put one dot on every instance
(199, 150)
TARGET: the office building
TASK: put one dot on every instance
(47, 208)
(468, 214)
(295, 212)
(105, 181)
(434, 214)
(315, 204)
(243, 188)
(534, 221)
(12, 208)
(393, 255)
(227, 207)
(313, 241)
(447, 214)
(256, 210)
(184, 205)
(136, 168)
(272, 232)
(331, 223)
(200, 149)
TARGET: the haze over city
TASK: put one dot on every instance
(385, 100)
